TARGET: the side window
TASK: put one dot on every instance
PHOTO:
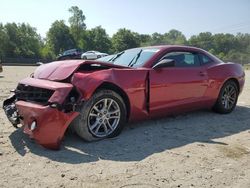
(205, 59)
(184, 59)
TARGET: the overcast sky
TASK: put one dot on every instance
(143, 16)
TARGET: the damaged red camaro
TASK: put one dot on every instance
(96, 98)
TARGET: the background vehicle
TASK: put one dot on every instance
(1, 67)
(70, 54)
(137, 84)
(92, 55)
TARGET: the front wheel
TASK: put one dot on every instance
(227, 99)
(102, 116)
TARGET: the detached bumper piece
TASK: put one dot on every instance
(11, 111)
(35, 105)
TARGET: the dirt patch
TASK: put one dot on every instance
(235, 151)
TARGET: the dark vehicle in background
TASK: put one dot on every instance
(70, 54)
(1, 68)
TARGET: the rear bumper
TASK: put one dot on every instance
(51, 123)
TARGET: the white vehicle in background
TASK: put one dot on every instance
(92, 55)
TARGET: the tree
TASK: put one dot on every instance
(143, 39)
(59, 38)
(77, 25)
(203, 40)
(171, 37)
(243, 42)
(174, 37)
(223, 43)
(47, 52)
(98, 40)
(156, 39)
(30, 41)
(4, 41)
(23, 41)
(123, 40)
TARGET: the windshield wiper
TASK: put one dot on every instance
(118, 55)
(131, 63)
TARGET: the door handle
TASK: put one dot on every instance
(201, 73)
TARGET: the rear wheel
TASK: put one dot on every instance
(102, 116)
(227, 99)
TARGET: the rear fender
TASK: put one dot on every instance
(220, 73)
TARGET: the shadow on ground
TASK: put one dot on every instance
(140, 140)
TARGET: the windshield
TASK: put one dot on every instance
(134, 57)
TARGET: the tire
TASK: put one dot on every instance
(99, 56)
(96, 122)
(84, 57)
(227, 98)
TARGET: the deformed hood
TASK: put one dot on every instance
(60, 70)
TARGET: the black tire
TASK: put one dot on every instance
(98, 56)
(220, 105)
(82, 123)
(84, 57)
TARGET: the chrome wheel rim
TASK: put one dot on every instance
(229, 97)
(104, 117)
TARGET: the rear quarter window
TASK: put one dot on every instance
(204, 59)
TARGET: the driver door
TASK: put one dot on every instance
(178, 88)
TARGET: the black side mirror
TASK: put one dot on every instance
(164, 63)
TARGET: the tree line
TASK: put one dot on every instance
(22, 40)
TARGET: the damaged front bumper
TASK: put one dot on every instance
(45, 123)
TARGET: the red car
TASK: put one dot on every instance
(136, 84)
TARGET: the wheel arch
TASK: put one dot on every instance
(118, 90)
(235, 81)
(217, 107)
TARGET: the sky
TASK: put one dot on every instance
(143, 16)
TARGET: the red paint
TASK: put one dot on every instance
(151, 93)
(51, 123)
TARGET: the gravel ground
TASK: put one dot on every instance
(198, 149)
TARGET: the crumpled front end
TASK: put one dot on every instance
(43, 123)
(44, 108)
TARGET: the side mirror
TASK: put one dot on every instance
(164, 63)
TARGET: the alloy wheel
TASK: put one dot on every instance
(229, 97)
(104, 117)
